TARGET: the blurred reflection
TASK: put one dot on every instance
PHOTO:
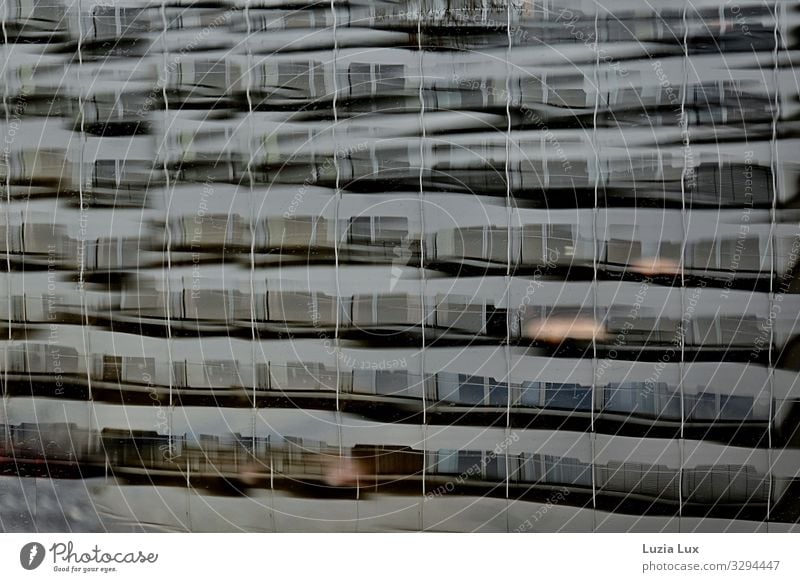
(285, 267)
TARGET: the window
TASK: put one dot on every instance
(498, 393)
(40, 165)
(742, 254)
(543, 243)
(386, 383)
(739, 254)
(623, 252)
(303, 308)
(567, 396)
(659, 400)
(373, 79)
(724, 484)
(530, 394)
(568, 471)
(531, 89)
(495, 466)
(639, 479)
(531, 468)
(733, 184)
(222, 374)
(561, 239)
(208, 73)
(111, 22)
(302, 376)
(300, 231)
(359, 76)
(296, 80)
(468, 243)
(701, 406)
(378, 229)
(735, 407)
(707, 406)
(216, 304)
(447, 386)
(262, 376)
(740, 330)
(389, 79)
(457, 314)
(651, 329)
(726, 330)
(444, 462)
(112, 368)
(566, 90)
(47, 10)
(392, 383)
(388, 309)
(470, 462)
(470, 389)
(477, 465)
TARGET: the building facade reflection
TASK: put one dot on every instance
(401, 266)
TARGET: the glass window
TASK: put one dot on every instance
(735, 407)
(623, 252)
(567, 470)
(398, 309)
(456, 313)
(291, 306)
(378, 229)
(498, 393)
(447, 462)
(702, 406)
(495, 467)
(390, 79)
(561, 240)
(468, 243)
(740, 253)
(620, 398)
(295, 77)
(391, 383)
(567, 396)
(639, 478)
(724, 484)
(359, 76)
(471, 389)
(530, 394)
(739, 330)
(139, 370)
(736, 183)
(447, 386)
(533, 244)
(470, 463)
(531, 468)
(222, 374)
(208, 73)
(497, 242)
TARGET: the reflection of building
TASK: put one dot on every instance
(399, 266)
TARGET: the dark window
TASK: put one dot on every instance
(735, 407)
(530, 393)
(567, 396)
(470, 389)
(498, 393)
(702, 406)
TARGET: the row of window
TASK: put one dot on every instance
(659, 400)
(393, 312)
(719, 483)
(389, 236)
